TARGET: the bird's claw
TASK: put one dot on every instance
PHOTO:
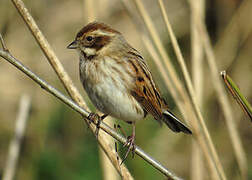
(95, 118)
(131, 147)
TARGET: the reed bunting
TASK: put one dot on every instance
(118, 80)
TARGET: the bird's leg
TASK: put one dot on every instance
(121, 130)
(116, 146)
(99, 123)
(96, 118)
(130, 142)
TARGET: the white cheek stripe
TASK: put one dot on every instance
(89, 51)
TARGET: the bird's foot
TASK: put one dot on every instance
(130, 143)
(95, 118)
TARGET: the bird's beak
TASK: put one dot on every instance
(73, 45)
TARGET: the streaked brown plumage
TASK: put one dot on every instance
(117, 79)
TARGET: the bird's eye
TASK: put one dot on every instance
(89, 38)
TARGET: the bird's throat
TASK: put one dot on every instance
(88, 53)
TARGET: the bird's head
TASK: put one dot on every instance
(96, 39)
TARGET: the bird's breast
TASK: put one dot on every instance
(108, 84)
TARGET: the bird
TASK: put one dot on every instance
(118, 81)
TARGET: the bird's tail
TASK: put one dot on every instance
(174, 124)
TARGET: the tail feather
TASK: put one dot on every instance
(174, 124)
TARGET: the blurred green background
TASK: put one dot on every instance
(57, 143)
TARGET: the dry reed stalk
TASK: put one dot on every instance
(235, 34)
(89, 10)
(223, 100)
(15, 144)
(184, 106)
(197, 168)
(108, 170)
(213, 153)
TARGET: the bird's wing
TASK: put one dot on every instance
(147, 94)
(144, 89)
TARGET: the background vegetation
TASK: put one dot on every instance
(57, 144)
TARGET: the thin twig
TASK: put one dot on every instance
(3, 44)
(16, 141)
(85, 113)
(67, 82)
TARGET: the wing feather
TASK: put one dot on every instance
(147, 94)
(144, 89)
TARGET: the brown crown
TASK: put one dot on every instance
(94, 26)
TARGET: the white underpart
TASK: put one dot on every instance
(109, 98)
